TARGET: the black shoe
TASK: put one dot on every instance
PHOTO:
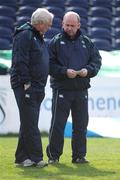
(53, 161)
(80, 161)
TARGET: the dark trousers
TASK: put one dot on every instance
(62, 103)
(29, 142)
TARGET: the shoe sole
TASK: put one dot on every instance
(24, 165)
(28, 165)
(41, 166)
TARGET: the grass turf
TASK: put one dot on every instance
(103, 154)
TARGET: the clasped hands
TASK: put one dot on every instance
(72, 73)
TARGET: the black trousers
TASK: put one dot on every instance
(62, 103)
(29, 142)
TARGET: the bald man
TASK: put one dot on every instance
(73, 61)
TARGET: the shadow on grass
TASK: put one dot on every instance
(60, 171)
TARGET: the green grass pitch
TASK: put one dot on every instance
(103, 154)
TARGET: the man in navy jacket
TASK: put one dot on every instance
(29, 71)
(73, 61)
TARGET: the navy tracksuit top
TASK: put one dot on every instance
(30, 63)
(75, 54)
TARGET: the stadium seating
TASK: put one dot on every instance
(4, 44)
(100, 11)
(81, 11)
(115, 3)
(25, 11)
(9, 3)
(6, 33)
(33, 3)
(117, 44)
(6, 22)
(55, 3)
(57, 22)
(99, 32)
(116, 22)
(102, 44)
(21, 20)
(116, 33)
(117, 11)
(77, 3)
(51, 32)
(83, 23)
(100, 19)
(101, 3)
(99, 22)
(84, 31)
(57, 11)
(10, 11)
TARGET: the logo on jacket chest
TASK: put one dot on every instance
(62, 42)
(83, 44)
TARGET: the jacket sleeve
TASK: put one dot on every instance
(21, 45)
(57, 70)
(94, 61)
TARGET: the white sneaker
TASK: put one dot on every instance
(41, 164)
(26, 163)
(53, 161)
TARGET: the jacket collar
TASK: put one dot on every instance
(37, 33)
(77, 35)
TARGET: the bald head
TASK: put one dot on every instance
(71, 23)
(71, 15)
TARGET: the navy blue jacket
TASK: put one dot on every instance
(30, 59)
(75, 54)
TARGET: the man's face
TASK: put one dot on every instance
(71, 25)
(43, 28)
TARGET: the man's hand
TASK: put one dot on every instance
(71, 73)
(82, 73)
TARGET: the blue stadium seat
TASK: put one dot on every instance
(117, 12)
(102, 3)
(34, 3)
(117, 33)
(81, 11)
(116, 22)
(51, 32)
(10, 3)
(7, 22)
(84, 31)
(77, 3)
(97, 32)
(102, 44)
(56, 3)
(4, 44)
(7, 11)
(6, 33)
(21, 20)
(57, 23)
(83, 22)
(116, 3)
(25, 11)
(100, 12)
(117, 44)
(58, 12)
(99, 22)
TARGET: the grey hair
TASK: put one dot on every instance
(41, 15)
